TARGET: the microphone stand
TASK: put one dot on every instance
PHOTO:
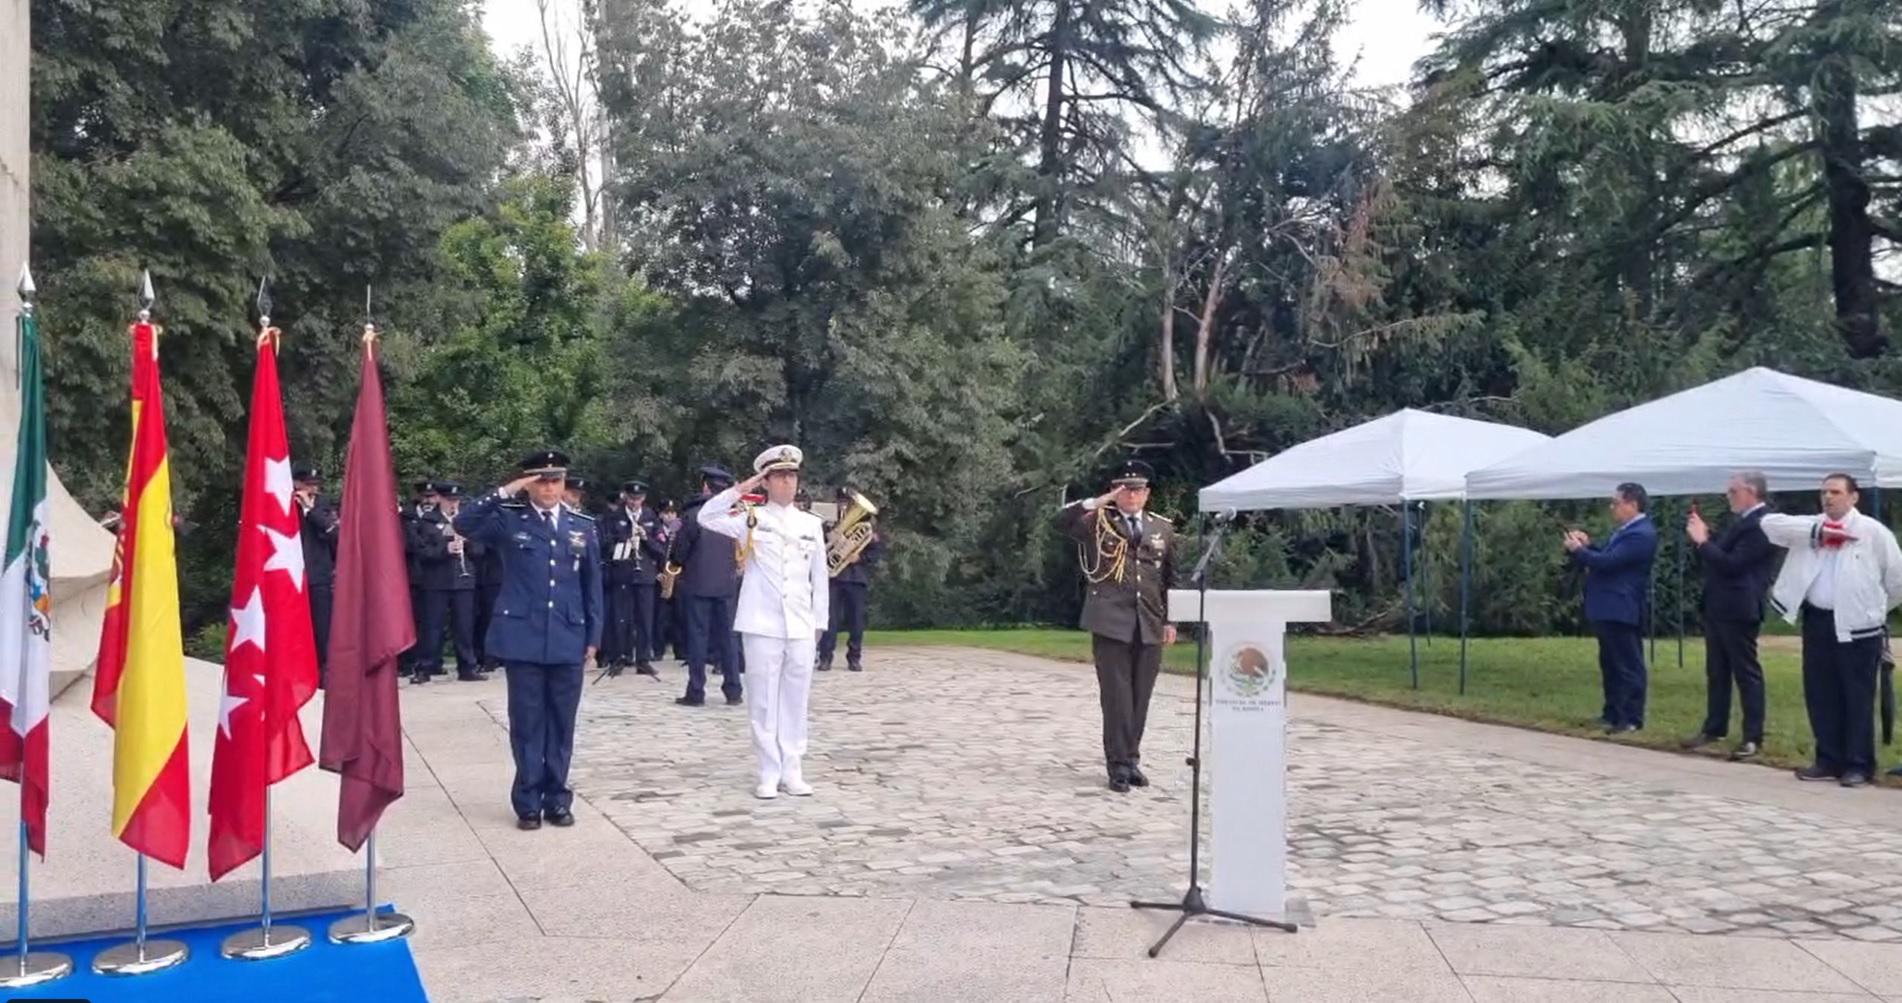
(1193, 903)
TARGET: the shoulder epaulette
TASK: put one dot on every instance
(1164, 518)
(581, 515)
(514, 504)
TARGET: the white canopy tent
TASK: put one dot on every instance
(1795, 431)
(1406, 456)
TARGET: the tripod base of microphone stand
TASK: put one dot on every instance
(1193, 905)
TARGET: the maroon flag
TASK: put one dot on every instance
(369, 623)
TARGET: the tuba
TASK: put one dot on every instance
(851, 533)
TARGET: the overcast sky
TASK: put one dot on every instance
(1387, 35)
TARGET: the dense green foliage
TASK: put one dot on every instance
(967, 291)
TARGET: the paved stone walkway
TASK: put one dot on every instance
(1389, 807)
(970, 776)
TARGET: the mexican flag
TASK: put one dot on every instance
(26, 605)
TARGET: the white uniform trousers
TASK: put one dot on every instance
(778, 683)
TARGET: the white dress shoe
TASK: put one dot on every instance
(797, 787)
(766, 792)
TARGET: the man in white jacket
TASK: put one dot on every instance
(783, 609)
(1842, 576)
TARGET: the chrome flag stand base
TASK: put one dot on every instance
(371, 928)
(142, 956)
(34, 967)
(267, 941)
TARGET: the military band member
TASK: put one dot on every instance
(782, 611)
(547, 626)
(851, 591)
(414, 543)
(636, 545)
(449, 566)
(575, 493)
(668, 618)
(488, 561)
(1129, 563)
(318, 532)
(708, 585)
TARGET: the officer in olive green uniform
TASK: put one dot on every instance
(1129, 563)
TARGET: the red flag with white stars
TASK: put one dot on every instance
(270, 654)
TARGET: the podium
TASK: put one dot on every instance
(1248, 738)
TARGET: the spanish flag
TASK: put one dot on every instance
(140, 685)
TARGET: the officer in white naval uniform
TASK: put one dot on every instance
(782, 611)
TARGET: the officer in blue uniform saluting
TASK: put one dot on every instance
(546, 625)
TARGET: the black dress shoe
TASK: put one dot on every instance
(1699, 740)
(1136, 778)
(1746, 751)
(735, 701)
(1119, 783)
(854, 667)
(561, 819)
(824, 666)
(418, 678)
(1855, 778)
(528, 823)
(689, 702)
(1817, 773)
(646, 669)
(1621, 729)
(469, 677)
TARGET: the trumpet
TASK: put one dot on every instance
(850, 535)
(458, 548)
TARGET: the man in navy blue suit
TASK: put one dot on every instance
(1738, 565)
(543, 634)
(1617, 575)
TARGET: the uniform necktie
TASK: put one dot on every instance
(548, 519)
(1134, 527)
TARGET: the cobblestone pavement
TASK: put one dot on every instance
(950, 774)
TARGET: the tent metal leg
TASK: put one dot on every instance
(1426, 579)
(1406, 562)
(1466, 582)
(1682, 542)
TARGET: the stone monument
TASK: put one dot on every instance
(82, 552)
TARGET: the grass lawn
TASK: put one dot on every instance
(1550, 684)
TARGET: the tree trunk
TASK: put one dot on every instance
(1852, 272)
(1167, 349)
(1205, 326)
(1050, 142)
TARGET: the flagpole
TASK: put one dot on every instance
(35, 967)
(266, 941)
(142, 956)
(370, 928)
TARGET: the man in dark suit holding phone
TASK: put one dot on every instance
(1616, 577)
(1737, 568)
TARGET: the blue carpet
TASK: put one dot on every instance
(322, 972)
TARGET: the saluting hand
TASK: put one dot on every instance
(520, 484)
(752, 482)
